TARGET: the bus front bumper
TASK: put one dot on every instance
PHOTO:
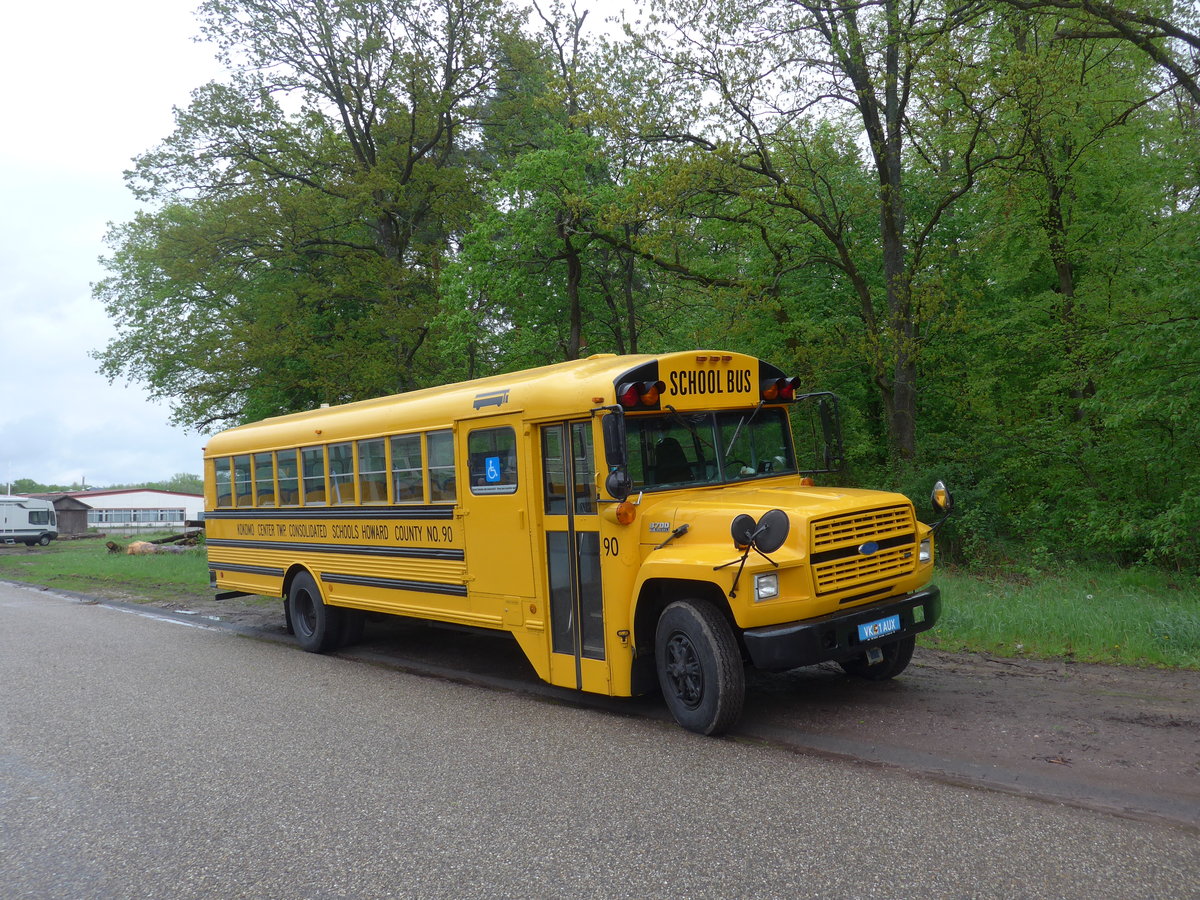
(836, 637)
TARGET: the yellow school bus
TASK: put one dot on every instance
(633, 521)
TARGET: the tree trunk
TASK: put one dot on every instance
(574, 278)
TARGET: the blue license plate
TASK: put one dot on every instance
(879, 628)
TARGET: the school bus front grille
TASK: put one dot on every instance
(860, 571)
(864, 548)
(868, 525)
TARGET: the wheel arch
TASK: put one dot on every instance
(293, 573)
(655, 595)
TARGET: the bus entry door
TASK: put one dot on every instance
(572, 549)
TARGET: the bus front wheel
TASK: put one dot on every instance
(318, 628)
(699, 667)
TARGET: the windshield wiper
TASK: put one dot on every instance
(689, 426)
(740, 425)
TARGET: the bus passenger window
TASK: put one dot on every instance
(372, 472)
(442, 480)
(289, 478)
(492, 457)
(243, 485)
(408, 475)
(585, 468)
(554, 471)
(223, 479)
(341, 473)
(264, 479)
(312, 460)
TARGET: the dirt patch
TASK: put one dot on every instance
(1110, 736)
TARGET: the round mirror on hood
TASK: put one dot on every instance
(772, 531)
(742, 530)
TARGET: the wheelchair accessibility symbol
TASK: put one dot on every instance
(491, 470)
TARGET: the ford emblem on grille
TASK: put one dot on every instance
(868, 548)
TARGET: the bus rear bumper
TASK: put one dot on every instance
(835, 637)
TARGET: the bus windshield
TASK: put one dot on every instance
(703, 448)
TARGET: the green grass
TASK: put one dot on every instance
(1139, 617)
(1107, 615)
(86, 566)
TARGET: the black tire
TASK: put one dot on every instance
(44, 540)
(896, 657)
(699, 667)
(318, 628)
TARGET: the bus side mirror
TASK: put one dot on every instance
(941, 499)
(618, 483)
(943, 504)
(613, 426)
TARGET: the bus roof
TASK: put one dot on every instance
(567, 388)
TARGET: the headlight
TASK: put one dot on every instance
(927, 550)
(766, 587)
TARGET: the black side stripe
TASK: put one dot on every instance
(396, 584)
(346, 549)
(249, 570)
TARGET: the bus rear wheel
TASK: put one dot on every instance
(699, 667)
(318, 628)
(896, 657)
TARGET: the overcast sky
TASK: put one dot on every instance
(87, 86)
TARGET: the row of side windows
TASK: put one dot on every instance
(135, 516)
(403, 468)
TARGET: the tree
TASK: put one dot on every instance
(1168, 34)
(534, 281)
(302, 211)
(1080, 242)
(901, 82)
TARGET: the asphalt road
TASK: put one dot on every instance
(140, 758)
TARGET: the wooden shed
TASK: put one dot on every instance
(72, 513)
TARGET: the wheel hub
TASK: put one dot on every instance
(684, 671)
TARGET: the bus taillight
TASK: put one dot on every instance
(779, 388)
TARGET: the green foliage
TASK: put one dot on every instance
(1068, 429)
(29, 486)
(977, 224)
(181, 482)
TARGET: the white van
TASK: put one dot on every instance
(27, 521)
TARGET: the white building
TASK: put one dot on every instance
(138, 509)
